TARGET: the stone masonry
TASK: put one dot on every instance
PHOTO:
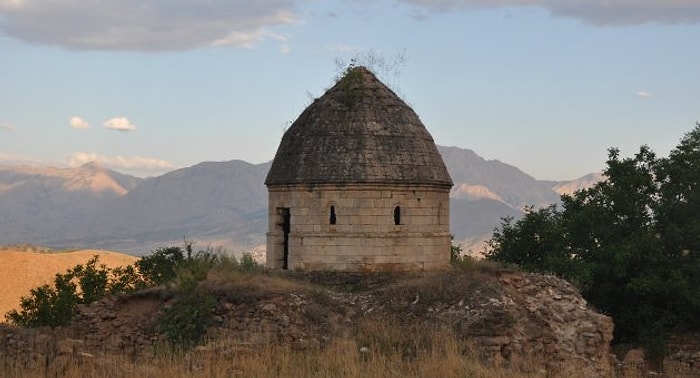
(365, 236)
(357, 184)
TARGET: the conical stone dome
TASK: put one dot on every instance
(359, 131)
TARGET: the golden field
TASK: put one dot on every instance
(23, 268)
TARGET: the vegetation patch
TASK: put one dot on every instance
(631, 243)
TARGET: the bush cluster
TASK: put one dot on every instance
(183, 323)
(631, 242)
(54, 305)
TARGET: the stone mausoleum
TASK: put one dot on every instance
(358, 184)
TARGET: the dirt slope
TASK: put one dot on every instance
(23, 268)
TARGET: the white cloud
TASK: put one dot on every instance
(643, 94)
(247, 40)
(597, 12)
(78, 123)
(139, 163)
(119, 124)
(6, 127)
(285, 49)
(146, 25)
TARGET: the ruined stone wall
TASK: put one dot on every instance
(365, 235)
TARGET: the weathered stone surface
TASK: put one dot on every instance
(363, 238)
(374, 138)
(511, 319)
(358, 184)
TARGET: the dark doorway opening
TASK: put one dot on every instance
(286, 227)
(332, 220)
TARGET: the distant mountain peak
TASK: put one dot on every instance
(473, 192)
(585, 182)
(92, 177)
(93, 165)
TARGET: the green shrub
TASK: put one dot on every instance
(55, 305)
(159, 267)
(184, 324)
(247, 264)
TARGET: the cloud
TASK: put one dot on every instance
(119, 124)
(78, 123)
(138, 163)
(643, 94)
(285, 49)
(247, 40)
(6, 127)
(146, 25)
(596, 12)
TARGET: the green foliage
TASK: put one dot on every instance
(126, 280)
(194, 268)
(46, 305)
(631, 242)
(455, 252)
(247, 264)
(55, 305)
(159, 267)
(186, 321)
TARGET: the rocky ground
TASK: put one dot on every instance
(521, 321)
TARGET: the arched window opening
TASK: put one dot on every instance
(397, 215)
(332, 215)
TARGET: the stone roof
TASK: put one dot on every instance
(359, 131)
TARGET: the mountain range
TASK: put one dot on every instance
(223, 204)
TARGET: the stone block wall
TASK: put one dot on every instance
(365, 235)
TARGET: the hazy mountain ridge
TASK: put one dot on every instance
(221, 203)
(584, 182)
(43, 203)
(513, 186)
(209, 201)
(90, 177)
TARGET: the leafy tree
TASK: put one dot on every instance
(631, 242)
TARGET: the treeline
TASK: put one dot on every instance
(631, 242)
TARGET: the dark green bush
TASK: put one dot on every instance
(631, 243)
(184, 324)
(159, 267)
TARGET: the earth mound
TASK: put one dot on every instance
(502, 317)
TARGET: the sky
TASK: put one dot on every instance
(148, 86)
